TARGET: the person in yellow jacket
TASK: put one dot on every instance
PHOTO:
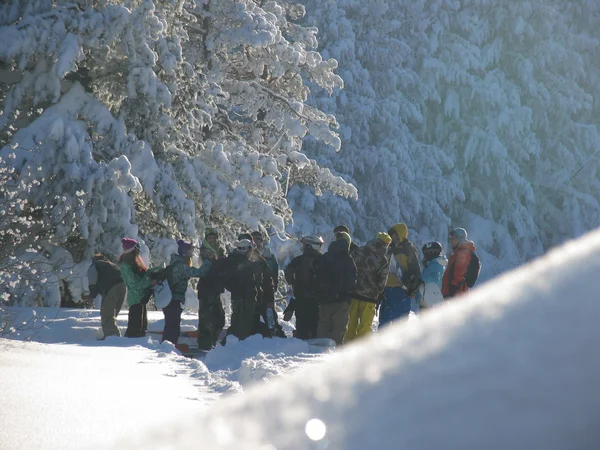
(404, 277)
(372, 269)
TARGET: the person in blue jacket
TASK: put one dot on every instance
(434, 265)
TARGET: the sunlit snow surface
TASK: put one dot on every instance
(62, 388)
(513, 366)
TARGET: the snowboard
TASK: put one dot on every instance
(431, 295)
(162, 294)
(183, 334)
(191, 351)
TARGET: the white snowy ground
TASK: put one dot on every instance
(62, 388)
(512, 366)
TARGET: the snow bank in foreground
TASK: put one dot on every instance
(513, 366)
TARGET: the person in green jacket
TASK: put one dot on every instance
(178, 273)
(136, 277)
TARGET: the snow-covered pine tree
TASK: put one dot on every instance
(482, 111)
(151, 118)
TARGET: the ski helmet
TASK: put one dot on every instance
(432, 250)
(316, 242)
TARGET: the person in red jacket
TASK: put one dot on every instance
(454, 282)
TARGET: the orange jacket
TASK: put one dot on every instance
(454, 282)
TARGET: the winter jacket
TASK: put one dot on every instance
(179, 273)
(248, 276)
(406, 259)
(137, 283)
(433, 271)
(372, 270)
(273, 265)
(336, 273)
(453, 282)
(108, 276)
(207, 253)
(300, 273)
(213, 284)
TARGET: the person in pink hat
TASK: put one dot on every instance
(136, 277)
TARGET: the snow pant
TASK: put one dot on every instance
(172, 314)
(211, 320)
(109, 309)
(333, 321)
(137, 322)
(307, 317)
(395, 304)
(361, 318)
(243, 316)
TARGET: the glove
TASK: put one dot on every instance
(287, 315)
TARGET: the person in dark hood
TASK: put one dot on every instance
(178, 273)
(248, 279)
(344, 229)
(211, 316)
(336, 276)
(301, 275)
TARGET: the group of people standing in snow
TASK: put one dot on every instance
(336, 295)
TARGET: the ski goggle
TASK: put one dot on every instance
(244, 248)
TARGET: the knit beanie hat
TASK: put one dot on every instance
(341, 228)
(345, 236)
(211, 232)
(129, 245)
(385, 238)
(184, 248)
(460, 234)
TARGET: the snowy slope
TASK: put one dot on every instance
(514, 366)
(62, 388)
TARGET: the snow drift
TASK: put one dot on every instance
(511, 366)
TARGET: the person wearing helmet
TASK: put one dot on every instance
(404, 278)
(434, 265)
(247, 277)
(211, 316)
(336, 276)
(300, 274)
(372, 270)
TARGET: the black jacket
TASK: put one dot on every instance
(109, 276)
(301, 274)
(249, 275)
(336, 273)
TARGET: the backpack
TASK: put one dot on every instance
(473, 270)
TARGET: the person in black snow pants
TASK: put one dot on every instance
(300, 274)
(336, 277)
(211, 316)
(248, 279)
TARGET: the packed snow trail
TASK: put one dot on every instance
(70, 390)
